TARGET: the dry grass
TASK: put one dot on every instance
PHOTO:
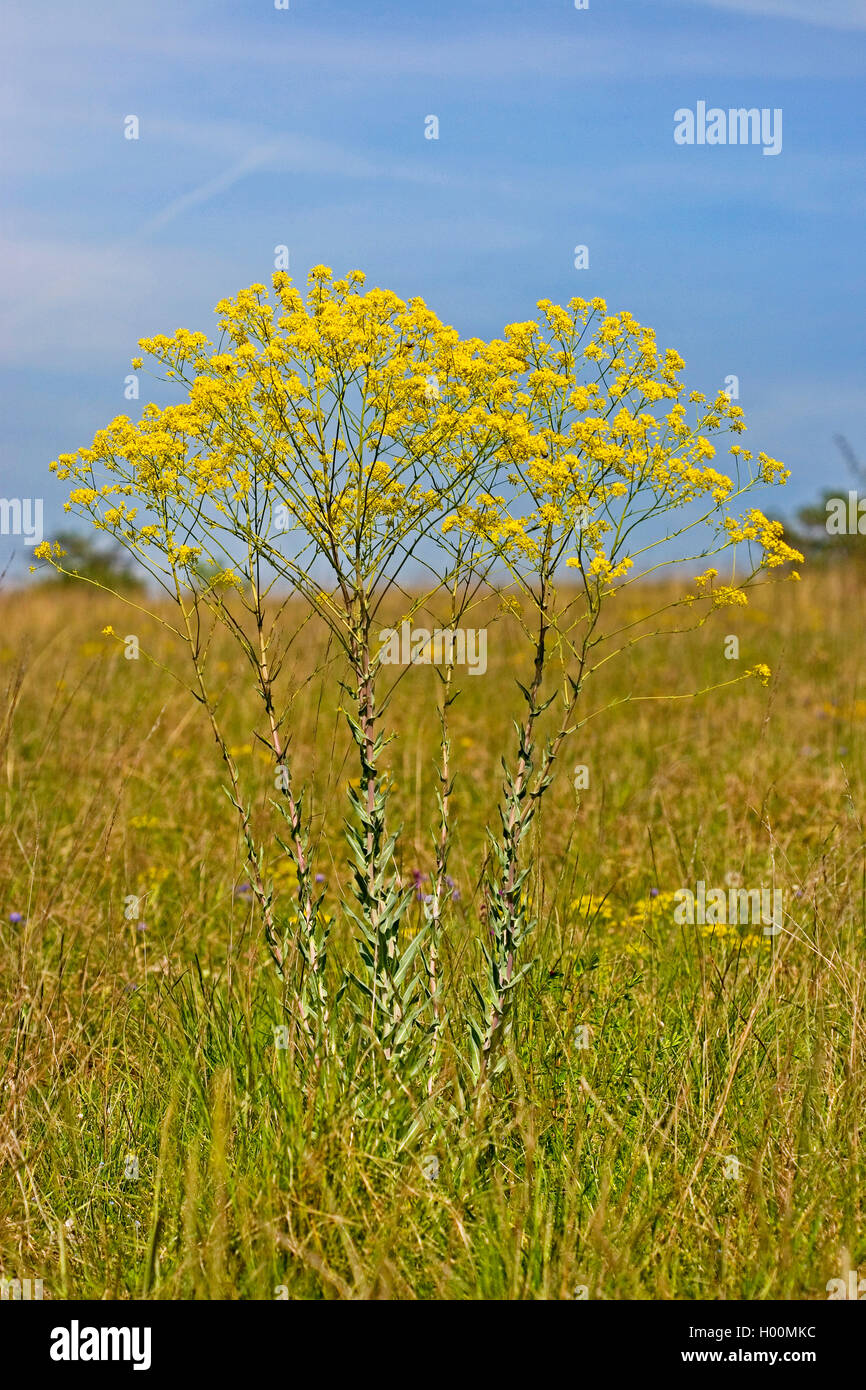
(599, 1168)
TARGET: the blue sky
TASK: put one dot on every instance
(305, 127)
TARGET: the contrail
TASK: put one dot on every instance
(205, 191)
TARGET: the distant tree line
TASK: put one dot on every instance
(833, 528)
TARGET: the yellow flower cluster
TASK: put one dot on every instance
(366, 421)
(765, 533)
(762, 672)
(652, 911)
(721, 596)
(733, 937)
(647, 911)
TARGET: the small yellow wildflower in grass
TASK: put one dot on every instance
(734, 938)
(650, 913)
(762, 672)
(654, 908)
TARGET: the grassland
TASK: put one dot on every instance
(596, 1170)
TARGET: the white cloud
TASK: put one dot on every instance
(69, 306)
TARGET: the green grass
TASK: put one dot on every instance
(598, 1168)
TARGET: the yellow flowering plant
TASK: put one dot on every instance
(322, 442)
(605, 475)
(345, 447)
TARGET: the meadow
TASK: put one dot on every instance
(682, 1111)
